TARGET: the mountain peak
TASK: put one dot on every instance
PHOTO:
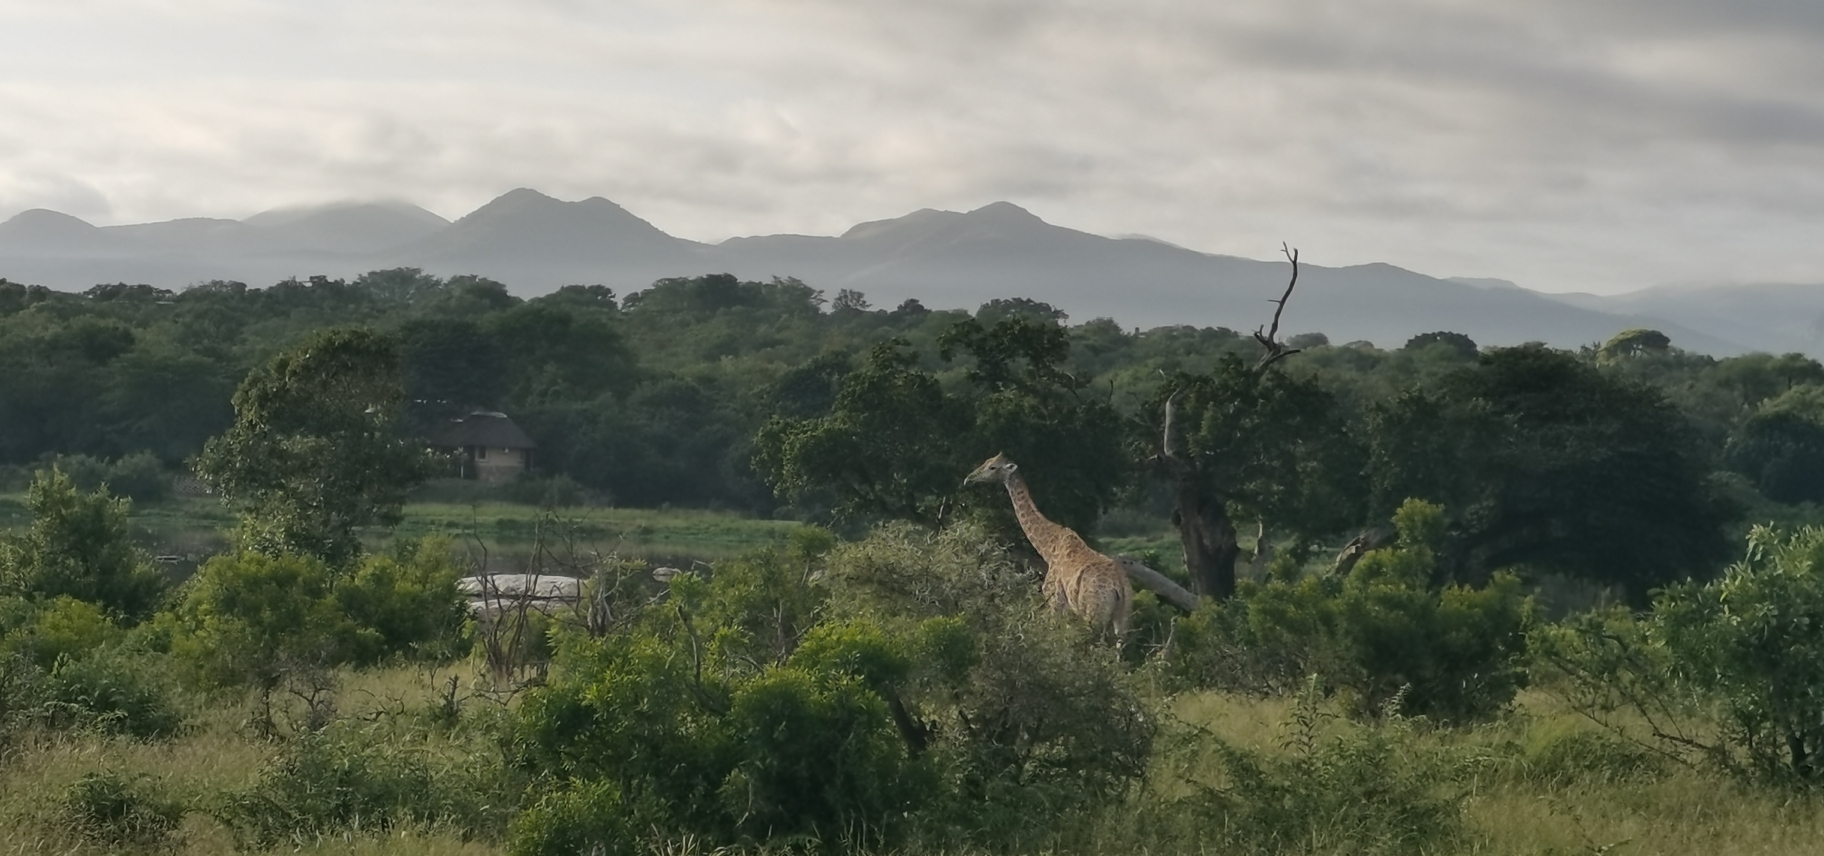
(44, 218)
(41, 230)
(526, 203)
(1004, 212)
(395, 208)
(526, 224)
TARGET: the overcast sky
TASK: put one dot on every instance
(1593, 145)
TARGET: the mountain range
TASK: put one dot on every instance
(944, 259)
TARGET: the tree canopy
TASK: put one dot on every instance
(315, 452)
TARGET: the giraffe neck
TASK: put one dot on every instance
(1044, 534)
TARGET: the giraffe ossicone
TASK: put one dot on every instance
(1078, 579)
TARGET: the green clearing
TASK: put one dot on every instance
(680, 534)
(196, 527)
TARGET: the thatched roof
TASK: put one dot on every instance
(482, 428)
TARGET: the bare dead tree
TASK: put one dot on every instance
(1210, 541)
(1274, 349)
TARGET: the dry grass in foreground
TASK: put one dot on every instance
(1542, 781)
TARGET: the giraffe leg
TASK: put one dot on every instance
(1055, 595)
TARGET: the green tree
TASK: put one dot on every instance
(1457, 343)
(1633, 343)
(555, 353)
(1750, 639)
(79, 546)
(1384, 631)
(895, 443)
(1251, 442)
(1782, 453)
(314, 452)
(1548, 464)
(886, 448)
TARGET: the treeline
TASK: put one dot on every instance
(658, 397)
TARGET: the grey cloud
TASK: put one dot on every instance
(1591, 144)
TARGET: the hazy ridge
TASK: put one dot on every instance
(944, 259)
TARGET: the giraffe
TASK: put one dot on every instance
(1077, 578)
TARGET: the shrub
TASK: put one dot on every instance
(632, 729)
(1029, 718)
(583, 816)
(1750, 640)
(1742, 650)
(139, 476)
(111, 691)
(111, 809)
(79, 546)
(21, 685)
(367, 778)
(1364, 791)
(248, 618)
(946, 705)
(406, 602)
(1378, 634)
(65, 627)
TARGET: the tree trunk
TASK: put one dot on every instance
(1208, 536)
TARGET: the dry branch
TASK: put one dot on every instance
(1269, 339)
(1159, 584)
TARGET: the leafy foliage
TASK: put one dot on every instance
(880, 450)
(314, 451)
(1550, 465)
(111, 691)
(1257, 444)
(78, 546)
(1782, 453)
(742, 712)
(894, 442)
(1750, 639)
(1383, 634)
(249, 618)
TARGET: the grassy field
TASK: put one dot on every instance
(1519, 796)
(193, 528)
(669, 534)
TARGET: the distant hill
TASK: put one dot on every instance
(1772, 317)
(944, 259)
(346, 228)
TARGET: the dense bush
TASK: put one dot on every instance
(1751, 639)
(368, 778)
(78, 545)
(43, 633)
(139, 476)
(64, 665)
(1360, 791)
(933, 699)
(639, 734)
(405, 602)
(247, 618)
(1379, 634)
(1743, 649)
(1033, 721)
(119, 811)
(112, 691)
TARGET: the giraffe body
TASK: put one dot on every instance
(1078, 579)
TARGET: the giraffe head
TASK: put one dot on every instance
(995, 469)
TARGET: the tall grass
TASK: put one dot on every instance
(1538, 781)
